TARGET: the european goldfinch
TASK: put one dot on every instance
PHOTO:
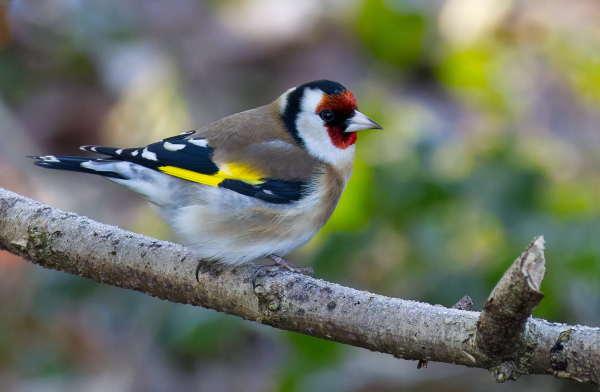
(256, 184)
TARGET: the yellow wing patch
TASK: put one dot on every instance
(240, 172)
(231, 171)
(207, 179)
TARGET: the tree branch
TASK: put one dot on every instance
(501, 326)
(503, 338)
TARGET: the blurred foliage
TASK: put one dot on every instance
(491, 117)
(382, 29)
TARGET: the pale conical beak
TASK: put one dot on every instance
(360, 122)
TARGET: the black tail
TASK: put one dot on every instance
(74, 164)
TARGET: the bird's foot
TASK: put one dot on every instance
(213, 269)
(283, 263)
(280, 262)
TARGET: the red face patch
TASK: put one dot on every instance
(343, 103)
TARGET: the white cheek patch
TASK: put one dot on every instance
(313, 132)
(311, 100)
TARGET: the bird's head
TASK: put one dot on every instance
(323, 117)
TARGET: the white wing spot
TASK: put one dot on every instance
(149, 155)
(199, 142)
(119, 151)
(173, 147)
(134, 153)
(268, 192)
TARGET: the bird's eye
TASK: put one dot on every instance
(327, 115)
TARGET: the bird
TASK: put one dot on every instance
(257, 184)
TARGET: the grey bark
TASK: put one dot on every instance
(406, 329)
(502, 325)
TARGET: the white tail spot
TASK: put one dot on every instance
(50, 158)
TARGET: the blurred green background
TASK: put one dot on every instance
(491, 110)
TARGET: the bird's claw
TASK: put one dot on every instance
(280, 263)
